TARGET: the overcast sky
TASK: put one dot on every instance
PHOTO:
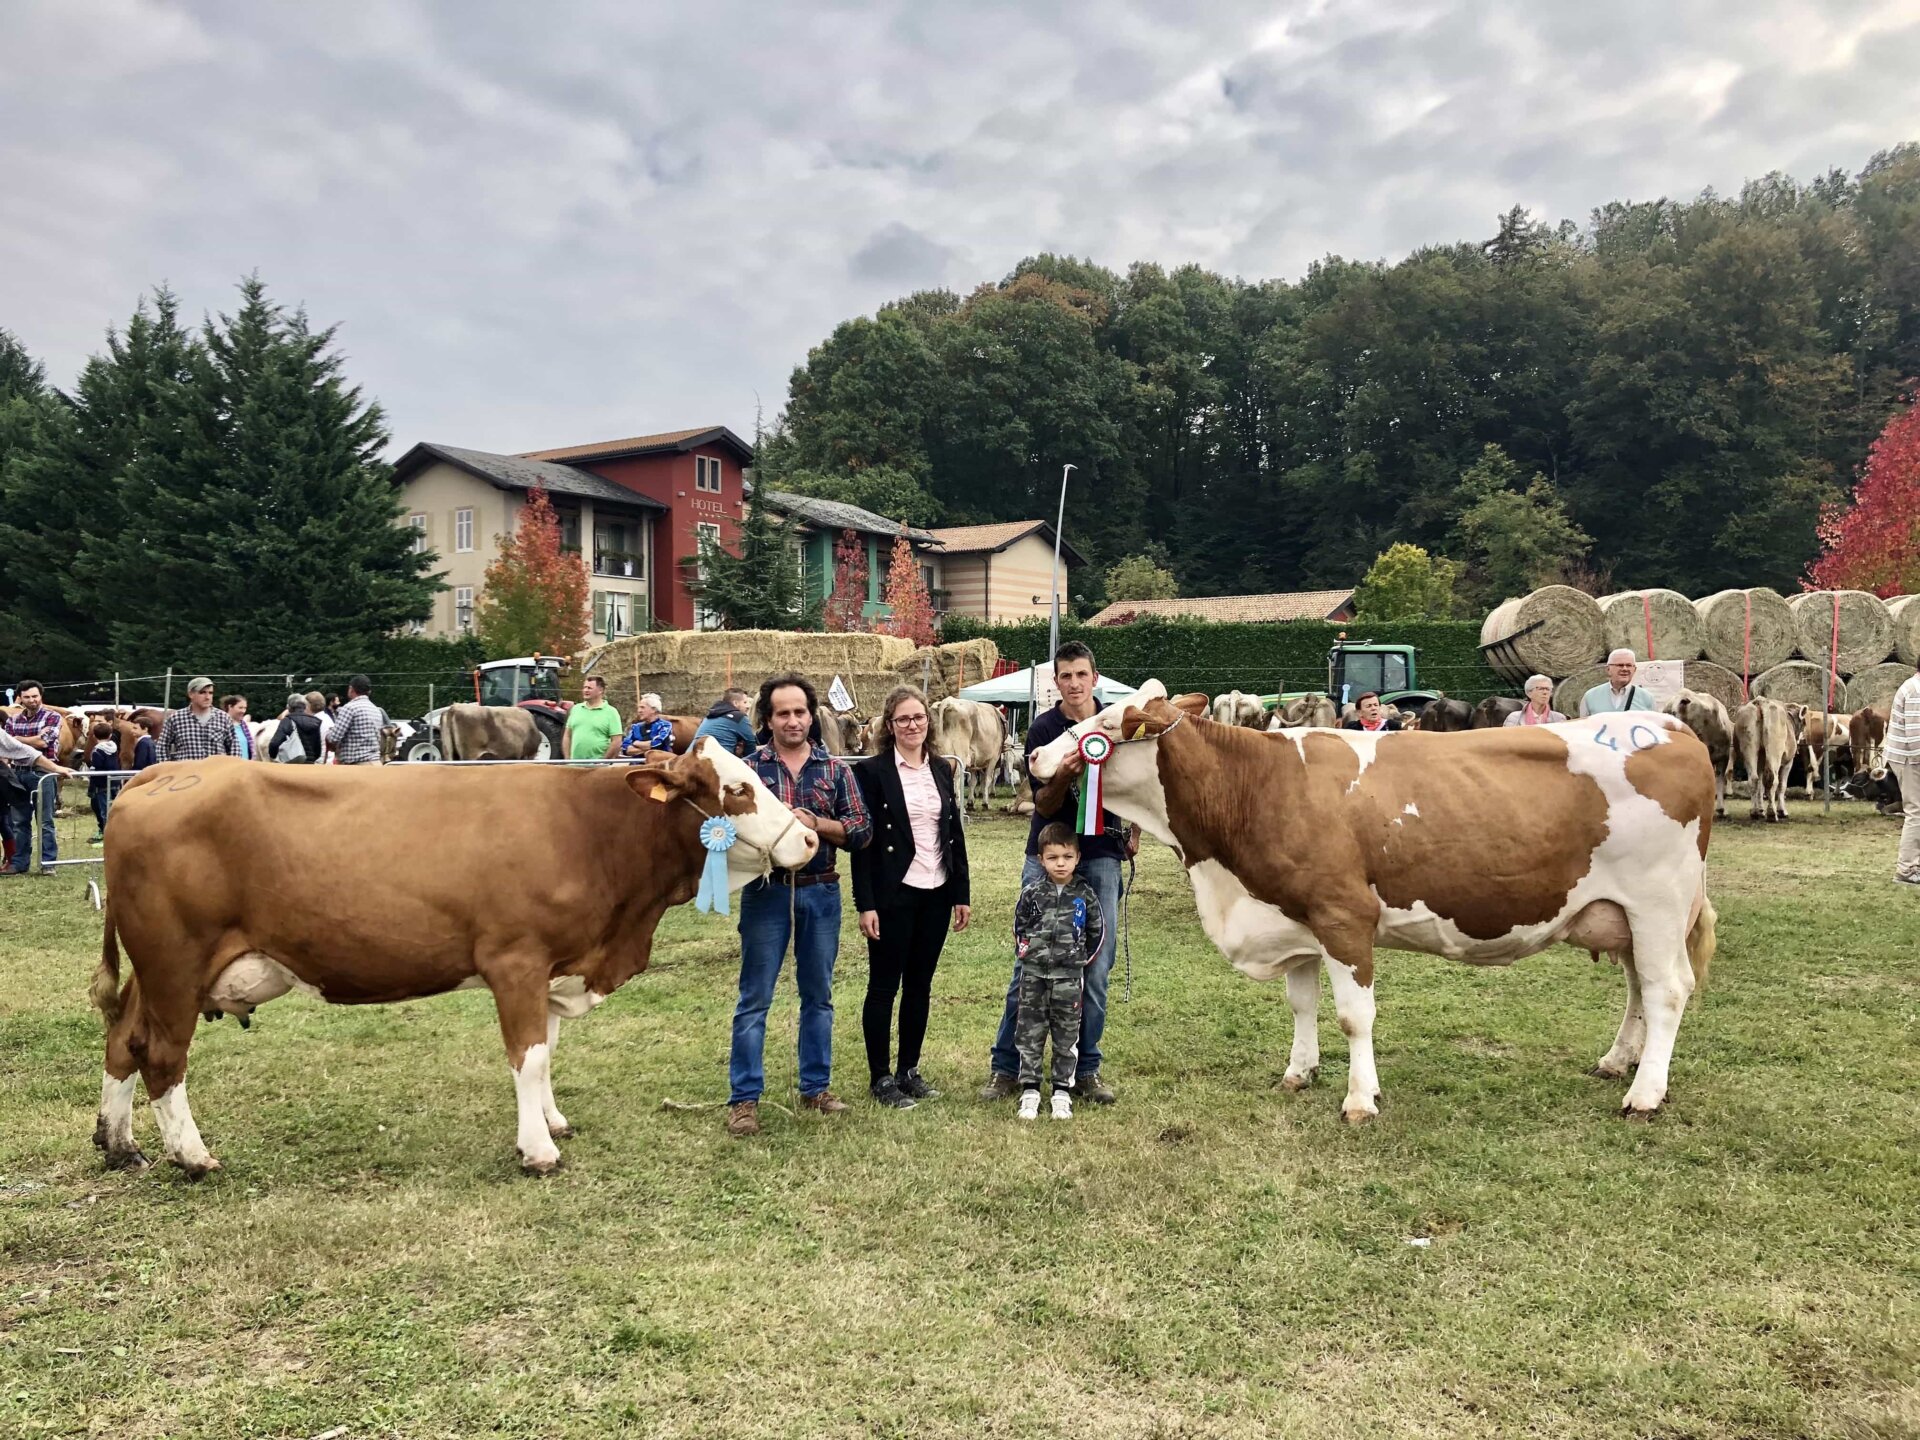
(546, 224)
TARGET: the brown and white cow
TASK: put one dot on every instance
(414, 900)
(976, 735)
(1867, 733)
(1825, 740)
(1765, 735)
(1315, 847)
(1707, 718)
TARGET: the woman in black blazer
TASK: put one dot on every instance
(909, 884)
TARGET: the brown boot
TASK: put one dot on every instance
(743, 1119)
(826, 1103)
(999, 1086)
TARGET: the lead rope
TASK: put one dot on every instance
(1126, 923)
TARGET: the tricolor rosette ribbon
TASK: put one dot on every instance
(1094, 749)
(717, 835)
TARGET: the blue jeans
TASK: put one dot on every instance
(1103, 874)
(19, 823)
(764, 930)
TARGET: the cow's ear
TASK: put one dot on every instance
(658, 782)
(1139, 724)
(1193, 705)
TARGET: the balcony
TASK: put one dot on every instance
(619, 564)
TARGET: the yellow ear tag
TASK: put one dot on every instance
(1140, 731)
(660, 792)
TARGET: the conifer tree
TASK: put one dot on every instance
(39, 631)
(759, 586)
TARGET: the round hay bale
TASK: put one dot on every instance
(1904, 612)
(1707, 678)
(1566, 695)
(1875, 685)
(1752, 625)
(1674, 623)
(1866, 630)
(1571, 633)
(1801, 682)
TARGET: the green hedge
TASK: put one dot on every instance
(1259, 658)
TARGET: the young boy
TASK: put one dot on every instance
(1057, 929)
(105, 755)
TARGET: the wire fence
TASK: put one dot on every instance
(400, 692)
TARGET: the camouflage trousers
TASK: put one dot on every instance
(1049, 1005)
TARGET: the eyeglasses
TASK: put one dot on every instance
(909, 721)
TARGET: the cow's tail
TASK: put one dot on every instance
(105, 992)
(1701, 943)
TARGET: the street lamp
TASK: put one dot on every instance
(1053, 630)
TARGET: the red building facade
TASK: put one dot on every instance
(698, 475)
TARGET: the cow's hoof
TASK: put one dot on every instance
(562, 1131)
(1296, 1083)
(1604, 1071)
(100, 1133)
(1631, 1111)
(1358, 1116)
(126, 1160)
(540, 1164)
(198, 1169)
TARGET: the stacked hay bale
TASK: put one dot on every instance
(1747, 631)
(1801, 682)
(1654, 624)
(1865, 630)
(1904, 614)
(943, 670)
(1875, 685)
(688, 669)
(1570, 633)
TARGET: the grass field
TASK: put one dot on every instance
(1211, 1257)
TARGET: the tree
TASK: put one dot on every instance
(846, 607)
(260, 524)
(1513, 532)
(1406, 583)
(906, 596)
(1873, 543)
(533, 598)
(759, 586)
(1137, 578)
(40, 631)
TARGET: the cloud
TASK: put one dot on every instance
(541, 226)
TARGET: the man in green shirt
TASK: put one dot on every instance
(592, 725)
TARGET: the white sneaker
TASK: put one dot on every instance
(1029, 1104)
(1062, 1105)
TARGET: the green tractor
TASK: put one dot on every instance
(1353, 669)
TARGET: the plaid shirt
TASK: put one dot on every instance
(44, 725)
(356, 731)
(826, 787)
(187, 736)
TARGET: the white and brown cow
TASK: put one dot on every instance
(1765, 735)
(976, 735)
(1314, 847)
(1826, 741)
(414, 900)
(1867, 732)
(1236, 707)
(1707, 718)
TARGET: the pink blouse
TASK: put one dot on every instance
(928, 871)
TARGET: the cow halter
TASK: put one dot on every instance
(766, 851)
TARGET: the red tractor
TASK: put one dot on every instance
(530, 682)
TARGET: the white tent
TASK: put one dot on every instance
(1037, 683)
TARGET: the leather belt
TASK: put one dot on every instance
(801, 881)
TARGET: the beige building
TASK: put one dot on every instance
(460, 502)
(998, 572)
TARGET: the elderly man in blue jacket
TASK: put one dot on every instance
(1619, 693)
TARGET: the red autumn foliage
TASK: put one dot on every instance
(906, 595)
(846, 606)
(533, 599)
(1874, 543)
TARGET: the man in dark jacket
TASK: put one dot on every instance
(297, 721)
(727, 723)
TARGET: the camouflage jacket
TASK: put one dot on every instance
(1057, 929)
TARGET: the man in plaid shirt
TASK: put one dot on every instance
(199, 730)
(803, 906)
(37, 728)
(356, 729)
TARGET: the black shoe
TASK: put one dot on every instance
(886, 1090)
(911, 1084)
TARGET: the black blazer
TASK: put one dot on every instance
(881, 864)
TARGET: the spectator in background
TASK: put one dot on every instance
(317, 707)
(146, 750)
(593, 726)
(236, 708)
(356, 728)
(727, 723)
(650, 730)
(101, 788)
(34, 734)
(301, 727)
(1368, 715)
(1619, 693)
(199, 730)
(1903, 761)
(1539, 707)
(333, 704)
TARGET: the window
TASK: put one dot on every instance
(416, 627)
(463, 530)
(418, 524)
(704, 534)
(570, 530)
(926, 578)
(706, 473)
(612, 613)
(463, 606)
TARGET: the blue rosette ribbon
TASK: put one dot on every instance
(717, 835)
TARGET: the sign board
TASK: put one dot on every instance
(1662, 679)
(839, 696)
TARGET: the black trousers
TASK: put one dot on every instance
(913, 928)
